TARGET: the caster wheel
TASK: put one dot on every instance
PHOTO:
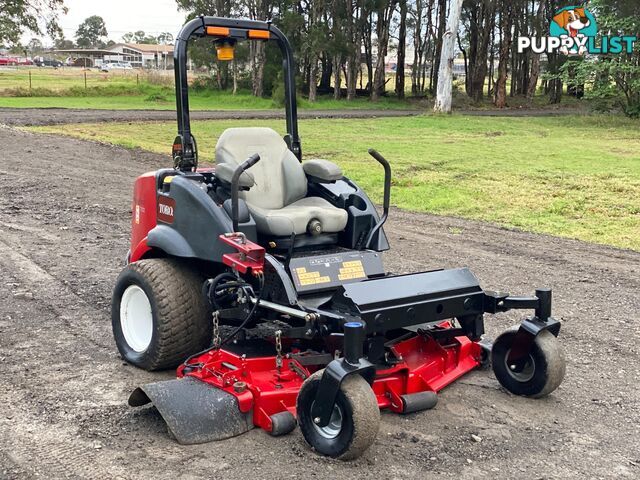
(543, 371)
(354, 422)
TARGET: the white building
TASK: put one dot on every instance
(138, 55)
(141, 55)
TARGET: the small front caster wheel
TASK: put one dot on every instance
(541, 374)
(354, 422)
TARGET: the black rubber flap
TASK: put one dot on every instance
(194, 411)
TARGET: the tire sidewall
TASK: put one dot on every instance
(127, 278)
(333, 447)
(540, 377)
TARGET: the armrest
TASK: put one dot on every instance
(224, 171)
(322, 171)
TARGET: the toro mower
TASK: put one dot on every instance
(262, 281)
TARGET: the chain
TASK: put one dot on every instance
(278, 349)
(216, 330)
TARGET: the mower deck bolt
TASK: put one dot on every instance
(239, 387)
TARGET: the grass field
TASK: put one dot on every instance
(141, 90)
(576, 177)
(197, 101)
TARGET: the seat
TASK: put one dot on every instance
(278, 201)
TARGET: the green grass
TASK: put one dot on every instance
(576, 177)
(197, 101)
(65, 88)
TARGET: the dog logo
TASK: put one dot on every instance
(574, 31)
(577, 24)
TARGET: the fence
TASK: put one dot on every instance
(21, 80)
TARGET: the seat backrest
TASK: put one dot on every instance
(279, 177)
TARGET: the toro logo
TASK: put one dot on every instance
(166, 209)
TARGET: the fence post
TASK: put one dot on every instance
(85, 79)
(137, 79)
(30, 84)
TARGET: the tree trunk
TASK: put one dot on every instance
(257, 71)
(445, 72)
(442, 16)
(505, 47)
(417, 47)
(337, 76)
(535, 60)
(382, 32)
(354, 33)
(483, 26)
(402, 40)
(234, 67)
(327, 72)
(313, 80)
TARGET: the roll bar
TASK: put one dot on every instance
(185, 152)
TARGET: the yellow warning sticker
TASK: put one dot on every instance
(312, 278)
(351, 270)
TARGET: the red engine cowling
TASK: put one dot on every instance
(143, 214)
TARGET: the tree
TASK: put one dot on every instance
(445, 70)
(91, 32)
(402, 46)
(165, 38)
(506, 23)
(34, 46)
(142, 38)
(62, 43)
(384, 13)
(18, 16)
(613, 79)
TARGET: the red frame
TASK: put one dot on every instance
(426, 365)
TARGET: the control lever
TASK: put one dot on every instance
(387, 196)
(235, 186)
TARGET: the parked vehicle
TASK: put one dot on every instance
(12, 61)
(107, 67)
(48, 62)
(25, 61)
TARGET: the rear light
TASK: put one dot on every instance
(218, 31)
(260, 34)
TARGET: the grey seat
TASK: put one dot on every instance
(278, 200)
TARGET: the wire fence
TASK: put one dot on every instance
(22, 80)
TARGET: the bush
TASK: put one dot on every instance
(156, 97)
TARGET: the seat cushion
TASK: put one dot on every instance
(296, 216)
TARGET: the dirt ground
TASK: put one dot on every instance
(64, 228)
(52, 116)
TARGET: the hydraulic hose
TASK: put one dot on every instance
(219, 292)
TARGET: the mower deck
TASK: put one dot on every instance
(263, 389)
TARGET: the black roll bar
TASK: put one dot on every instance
(185, 152)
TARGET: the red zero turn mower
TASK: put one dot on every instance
(262, 281)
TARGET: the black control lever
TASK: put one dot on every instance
(387, 196)
(235, 186)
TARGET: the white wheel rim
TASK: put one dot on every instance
(334, 427)
(136, 318)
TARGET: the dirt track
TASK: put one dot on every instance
(64, 225)
(53, 116)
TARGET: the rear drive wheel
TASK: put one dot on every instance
(541, 374)
(354, 422)
(158, 314)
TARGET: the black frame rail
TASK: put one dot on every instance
(185, 152)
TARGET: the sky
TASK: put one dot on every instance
(122, 16)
